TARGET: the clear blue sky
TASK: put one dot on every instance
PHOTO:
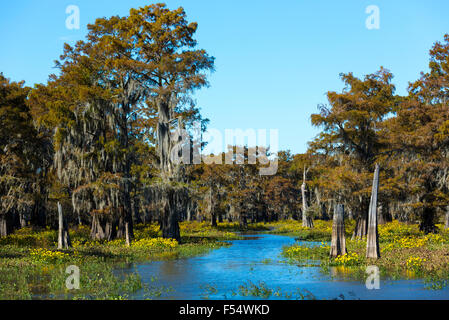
(275, 60)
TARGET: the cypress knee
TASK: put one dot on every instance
(372, 244)
(338, 245)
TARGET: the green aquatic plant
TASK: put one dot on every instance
(31, 267)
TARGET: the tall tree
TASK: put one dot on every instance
(419, 137)
(109, 87)
(23, 158)
(169, 68)
(92, 108)
(351, 130)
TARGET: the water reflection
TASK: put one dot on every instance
(339, 271)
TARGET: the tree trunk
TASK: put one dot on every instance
(231, 212)
(211, 208)
(380, 215)
(306, 219)
(324, 215)
(38, 214)
(127, 234)
(372, 244)
(427, 224)
(386, 213)
(63, 231)
(383, 214)
(103, 227)
(361, 226)
(350, 215)
(5, 224)
(169, 218)
(338, 244)
(329, 209)
(243, 221)
(189, 211)
(22, 220)
(128, 219)
(321, 205)
(137, 215)
(446, 222)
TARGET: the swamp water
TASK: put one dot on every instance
(254, 269)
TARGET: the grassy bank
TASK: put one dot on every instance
(322, 230)
(406, 253)
(30, 265)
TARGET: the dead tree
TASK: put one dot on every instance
(306, 218)
(63, 232)
(372, 243)
(338, 244)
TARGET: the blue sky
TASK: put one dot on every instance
(275, 60)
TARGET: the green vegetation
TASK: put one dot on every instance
(262, 291)
(91, 152)
(30, 265)
(406, 252)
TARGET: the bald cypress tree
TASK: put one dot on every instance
(351, 130)
(91, 107)
(419, 136)
(128, 69)
(168, 67)
(24, 156)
